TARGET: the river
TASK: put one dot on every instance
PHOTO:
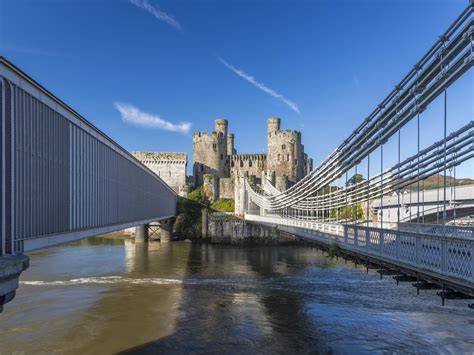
(104, 296)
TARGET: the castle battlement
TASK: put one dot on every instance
(255, 157)
(161, 157)
(169, 166)
(204, 136)
(286, 133)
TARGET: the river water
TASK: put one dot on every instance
(103, 296)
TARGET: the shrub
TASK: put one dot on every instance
(188, 218)
(223, 205)
(198, 196)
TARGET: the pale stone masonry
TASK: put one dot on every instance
(169, 166)
(210, 152)
(213, 153)
(248, 164)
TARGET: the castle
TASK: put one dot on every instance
(216, 162)
(217, 166)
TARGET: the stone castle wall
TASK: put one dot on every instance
(285, 155)
(210, 153)
(235, 231)
(210, 187)
(308, 164)
(226, 188)
(248, 164)
(170, 167)
(230, 144)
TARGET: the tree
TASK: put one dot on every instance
(349, 212)
(198, 196)
(355, 179)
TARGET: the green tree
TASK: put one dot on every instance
(198, 196)
(355, 179)
(188, 214)
(350, 212)
(327, 189)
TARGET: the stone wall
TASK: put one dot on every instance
(248, 164)
(210, 153)
(240, 195)
(235, 231)
(170, 167)
(226, 188)
(285, 154)
(308, 164)
(210, 187)
(281, 183)
(230, 144)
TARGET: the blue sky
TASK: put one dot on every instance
(322, 66)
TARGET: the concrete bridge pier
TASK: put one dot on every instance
(204, 223)
(166, 230)
(141, 233)
(11, 266)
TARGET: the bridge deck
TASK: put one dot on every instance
(449, 259)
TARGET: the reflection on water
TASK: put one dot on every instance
(102, 296)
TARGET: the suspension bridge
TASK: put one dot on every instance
(411, 235)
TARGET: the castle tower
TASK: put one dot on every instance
(210, 153)
(273, 124)
(230, 144)
(285, 152)
(220, 126)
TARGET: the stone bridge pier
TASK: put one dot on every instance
(166, 231)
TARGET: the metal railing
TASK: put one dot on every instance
(451, 256)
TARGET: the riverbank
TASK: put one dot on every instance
(230, 230)
(216, 228)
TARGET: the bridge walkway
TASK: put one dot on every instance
(444, 259)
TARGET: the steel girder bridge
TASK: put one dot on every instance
(62, 178)
(435, 254)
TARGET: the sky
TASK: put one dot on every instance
(149, 73)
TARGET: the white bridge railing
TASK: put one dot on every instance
(451, 256)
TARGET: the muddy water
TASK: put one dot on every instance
(103, 296)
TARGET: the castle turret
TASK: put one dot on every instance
(221, 126)
(210, 153)
(273, 124)
(230, 144)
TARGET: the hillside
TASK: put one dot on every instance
(432, 182)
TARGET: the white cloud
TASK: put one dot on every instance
(159, 14)
(291, 104)
(131, 114)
